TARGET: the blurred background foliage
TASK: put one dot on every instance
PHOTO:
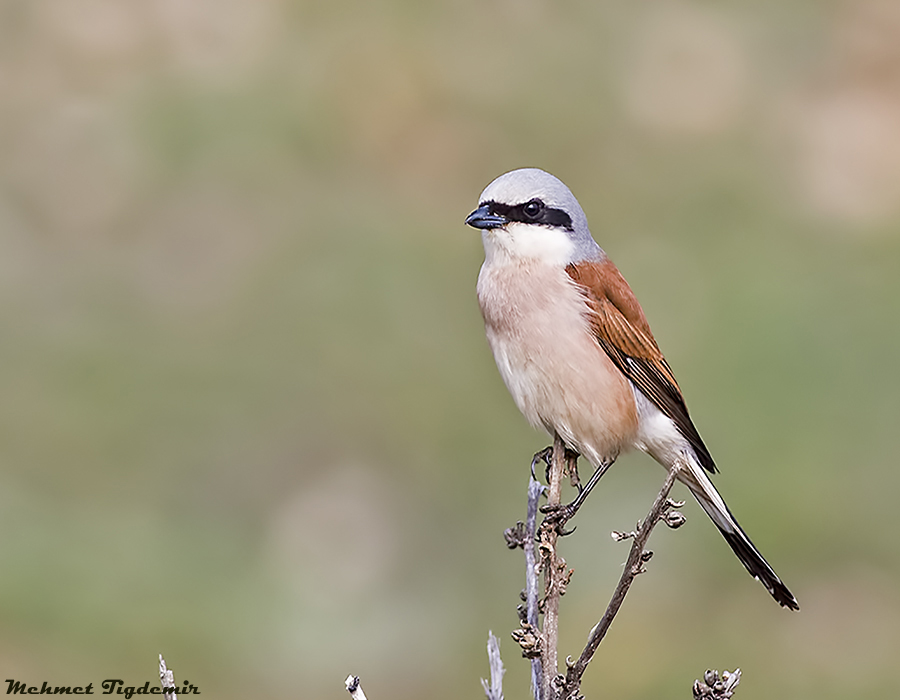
(249, 418)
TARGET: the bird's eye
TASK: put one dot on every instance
(533, 208)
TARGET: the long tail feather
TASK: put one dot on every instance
(703, 490)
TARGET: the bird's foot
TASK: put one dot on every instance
(558, 514)
(545, 456)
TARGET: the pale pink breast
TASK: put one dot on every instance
(558, 375)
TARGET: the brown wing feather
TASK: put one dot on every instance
(622, 331)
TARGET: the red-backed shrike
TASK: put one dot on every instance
(576, 352)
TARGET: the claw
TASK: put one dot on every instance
(542, 456)
(572, 469)
(558, 516)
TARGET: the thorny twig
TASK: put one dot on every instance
(555, 578)
(532, 585)
(523, 535)
(540, 643)
(634, 565)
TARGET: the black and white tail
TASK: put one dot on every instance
(698, 482)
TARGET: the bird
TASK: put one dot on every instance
(576, 352)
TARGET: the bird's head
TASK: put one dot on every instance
(529, 214)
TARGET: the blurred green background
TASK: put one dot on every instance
(249, 417)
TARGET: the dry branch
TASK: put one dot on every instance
(167, 678)
(494, 689)
(354, 688)
(554, 568)
(634, 565)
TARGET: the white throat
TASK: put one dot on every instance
(518, 242)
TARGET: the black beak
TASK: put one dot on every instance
(482, 218)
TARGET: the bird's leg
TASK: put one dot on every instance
(561, 514)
